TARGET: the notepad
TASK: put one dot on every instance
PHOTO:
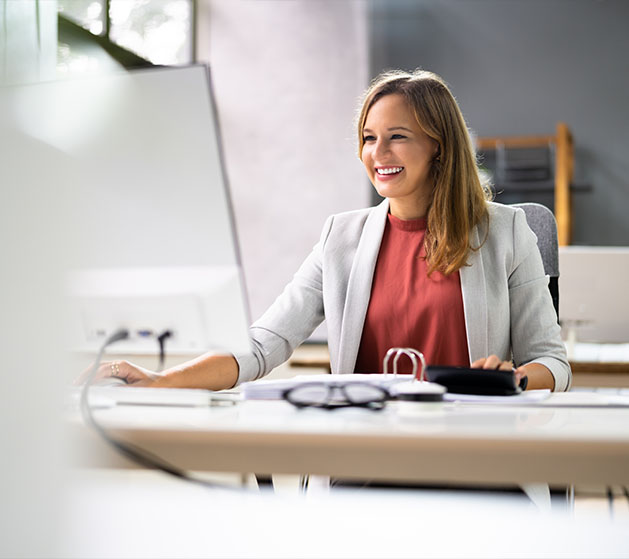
(524, 398)
(547, 399)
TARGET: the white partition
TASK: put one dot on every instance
(594, 293)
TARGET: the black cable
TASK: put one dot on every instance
(131, 451)
(161, 340)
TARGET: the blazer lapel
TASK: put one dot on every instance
(359, 287)
(474, 292)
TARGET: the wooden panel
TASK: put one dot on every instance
(612, 375)
(514, 142)
(600, 367)
(563, 178)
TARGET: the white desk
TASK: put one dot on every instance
(407, 442)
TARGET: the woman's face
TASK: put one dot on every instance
(397, 155)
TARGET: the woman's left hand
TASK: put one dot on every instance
(494, 362)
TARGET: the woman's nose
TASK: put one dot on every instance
(380, 148)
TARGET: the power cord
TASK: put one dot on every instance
(129, 450)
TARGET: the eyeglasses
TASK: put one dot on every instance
(337, 395)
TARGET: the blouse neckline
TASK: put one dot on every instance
(418, 224)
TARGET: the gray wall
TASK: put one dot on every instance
(519, 66)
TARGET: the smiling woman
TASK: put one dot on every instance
(435, 266)
(433, 133)
(398, 158)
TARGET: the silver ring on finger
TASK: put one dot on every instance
(115, 369)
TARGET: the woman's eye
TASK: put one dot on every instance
(398, 137)
(369, 138)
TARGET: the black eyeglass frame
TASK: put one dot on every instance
(335, 388)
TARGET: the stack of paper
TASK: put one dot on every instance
(274, 389)
(589, 399)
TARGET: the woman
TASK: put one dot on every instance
(435, 266)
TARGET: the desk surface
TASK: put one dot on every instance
(436, 442)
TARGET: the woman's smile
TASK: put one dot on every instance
(387, 173)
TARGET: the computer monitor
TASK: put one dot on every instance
(593, 301)
(150, 237)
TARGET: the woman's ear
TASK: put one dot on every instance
(436, 149)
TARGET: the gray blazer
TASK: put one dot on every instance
(507, 305)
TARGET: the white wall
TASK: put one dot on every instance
(287, 77)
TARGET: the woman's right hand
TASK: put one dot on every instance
(130, 373)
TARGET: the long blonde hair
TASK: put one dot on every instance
(459, 201)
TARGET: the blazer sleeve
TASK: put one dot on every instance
(290, 320)
(535, 332)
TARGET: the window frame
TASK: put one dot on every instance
(125, 57)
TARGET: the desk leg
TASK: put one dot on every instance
(304, 481)
(570, 498)
(539, 493)
(265, 482)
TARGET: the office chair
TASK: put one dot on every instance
(542, 221)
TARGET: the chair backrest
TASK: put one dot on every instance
(542, 221)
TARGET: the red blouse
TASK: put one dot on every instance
(409, 309)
